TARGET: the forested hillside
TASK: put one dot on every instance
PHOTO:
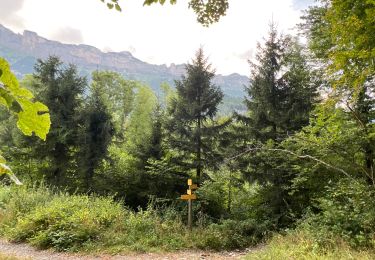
(104, 161)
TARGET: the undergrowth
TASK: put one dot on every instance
(92, 223)
(302, 245)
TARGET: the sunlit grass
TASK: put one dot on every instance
(299, 245)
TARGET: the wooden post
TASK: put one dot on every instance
(189, 214)
(190, 196)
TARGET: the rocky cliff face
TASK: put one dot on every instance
(22, 50)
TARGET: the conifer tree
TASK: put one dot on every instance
(192, 126)
(99, 130)
(61, 89)
(281, 96)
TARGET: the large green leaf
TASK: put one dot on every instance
(32, 116)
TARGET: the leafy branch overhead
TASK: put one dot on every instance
(33, 117)
(113, 4)
(208, 12)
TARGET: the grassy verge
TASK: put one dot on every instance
(98, 224)
(300, 245)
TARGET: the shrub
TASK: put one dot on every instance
(67, 222)
(230, 234)
(346, 211)
(16, 201)
(91, 223)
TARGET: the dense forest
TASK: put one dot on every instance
(300, 159)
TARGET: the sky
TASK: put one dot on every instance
(156, 34)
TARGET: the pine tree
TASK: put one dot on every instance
(263, 93)
(281, 94)
(192, 126)
(98, 134)
(61, 89)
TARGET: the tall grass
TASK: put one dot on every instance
(301, 245)
(47, 219)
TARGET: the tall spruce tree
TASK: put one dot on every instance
(99, 130)
(61, 89)
(281, 94)
(280, 98)
(192, 126)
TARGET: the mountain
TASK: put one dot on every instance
(22, 50)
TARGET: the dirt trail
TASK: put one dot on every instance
(24, 251)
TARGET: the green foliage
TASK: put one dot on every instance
(78, 222)
(32, 116)
(301, 245)
(20, 200)
(98, 132)
(281, 94)
(342, 33)
(67, 222)
(230, 234)
(208, 12)
(118, 95)
(112, 3)
(347, 210)
(140, 124)
(191, 127)
(61, 89)
(280, 98)
(286, 163)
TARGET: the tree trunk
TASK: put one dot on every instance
(199, 152)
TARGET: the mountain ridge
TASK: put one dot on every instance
(22, 51)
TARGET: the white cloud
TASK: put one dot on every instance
(8, 13)
(68, 35)
(163, 34)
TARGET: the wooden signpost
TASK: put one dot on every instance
(189, 196)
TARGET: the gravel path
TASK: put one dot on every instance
(24, 251)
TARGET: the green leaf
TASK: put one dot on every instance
(118, 7)
(109, 5)
(34, 117)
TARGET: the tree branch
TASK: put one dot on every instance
(253, 149)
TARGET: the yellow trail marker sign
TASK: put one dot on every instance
(189, 197)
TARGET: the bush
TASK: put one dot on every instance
(16, 201)
(230, 234)
(91, 223)
(68, 222)
(346, 211)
